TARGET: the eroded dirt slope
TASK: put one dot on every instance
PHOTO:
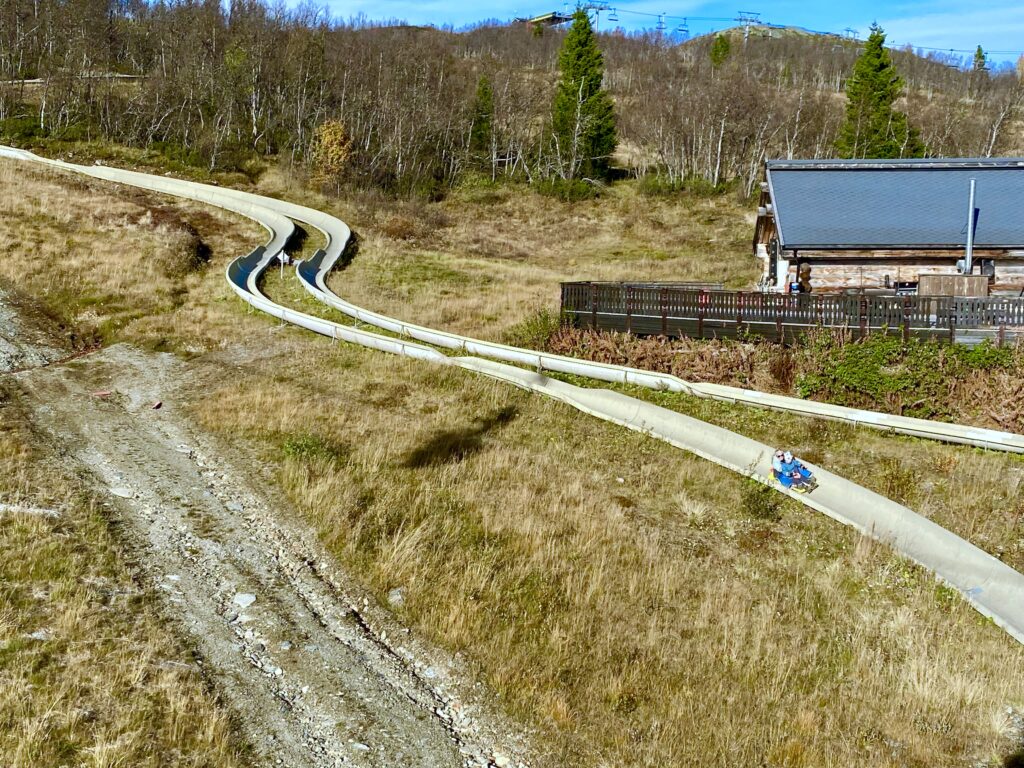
(27, 339)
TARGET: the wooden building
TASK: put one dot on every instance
(881, 225)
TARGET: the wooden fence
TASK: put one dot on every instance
(673, 310)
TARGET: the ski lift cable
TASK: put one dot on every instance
(674, 18)
(686, 19)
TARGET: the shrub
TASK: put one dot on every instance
(309, 447)
(656, 185)
(782, 367)
(19, 129)
(912, 377)
(761, 502)
(899, 482)
(534, 331)
(569, 190)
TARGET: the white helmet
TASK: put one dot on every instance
(787, 457)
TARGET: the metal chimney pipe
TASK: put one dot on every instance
(969, 256)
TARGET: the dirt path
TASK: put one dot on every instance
(317, 675)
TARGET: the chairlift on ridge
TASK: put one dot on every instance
(613, 16)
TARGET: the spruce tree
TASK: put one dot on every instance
(482, 132)
(873, 128)
(980, 60)
(583, 117)
(720, 50)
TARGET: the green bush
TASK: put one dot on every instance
(534, 330)
(309, 447)
(656, 185)
(899, 482)
(913, 376)
(761, 502)
(569, 190)
(20, 129)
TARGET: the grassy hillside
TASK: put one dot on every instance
(640, 606)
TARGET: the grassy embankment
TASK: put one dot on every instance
(642, 606)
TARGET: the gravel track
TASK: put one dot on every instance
(317, 674)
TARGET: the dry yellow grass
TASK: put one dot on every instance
(89, 675)
(116, 262)
(614, 591)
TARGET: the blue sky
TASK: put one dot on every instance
(997, 26)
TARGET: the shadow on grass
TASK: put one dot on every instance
(297, 241)
(349, 254)
(453, 445)
(1014, 760)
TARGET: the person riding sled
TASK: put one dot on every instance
(788, 469)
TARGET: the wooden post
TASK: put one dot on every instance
(906, 320)
(863, 316)
(1001, 336)
(593, 307)
(664, 313)
(700, 313)
(629, 309)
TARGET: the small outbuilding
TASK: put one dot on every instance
(884, 226)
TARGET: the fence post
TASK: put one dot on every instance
(906, 320)
(1001, 335)
(593, 307)
(700, 313)
(629, 309)
(664, 313)
(863, 316)
(952, 327)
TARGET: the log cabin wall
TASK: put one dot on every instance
(840, 271)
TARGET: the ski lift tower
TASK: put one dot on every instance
(597, 8)
(747, 19)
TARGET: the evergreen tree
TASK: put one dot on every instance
(980, 60)
(872, 127)
(482, 133)
(720, 49)
(583, 117)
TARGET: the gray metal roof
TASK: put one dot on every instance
(838, 204)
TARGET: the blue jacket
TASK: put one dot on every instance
(789, 467)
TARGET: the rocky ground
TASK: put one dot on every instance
(25, 343)
(316, 674)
